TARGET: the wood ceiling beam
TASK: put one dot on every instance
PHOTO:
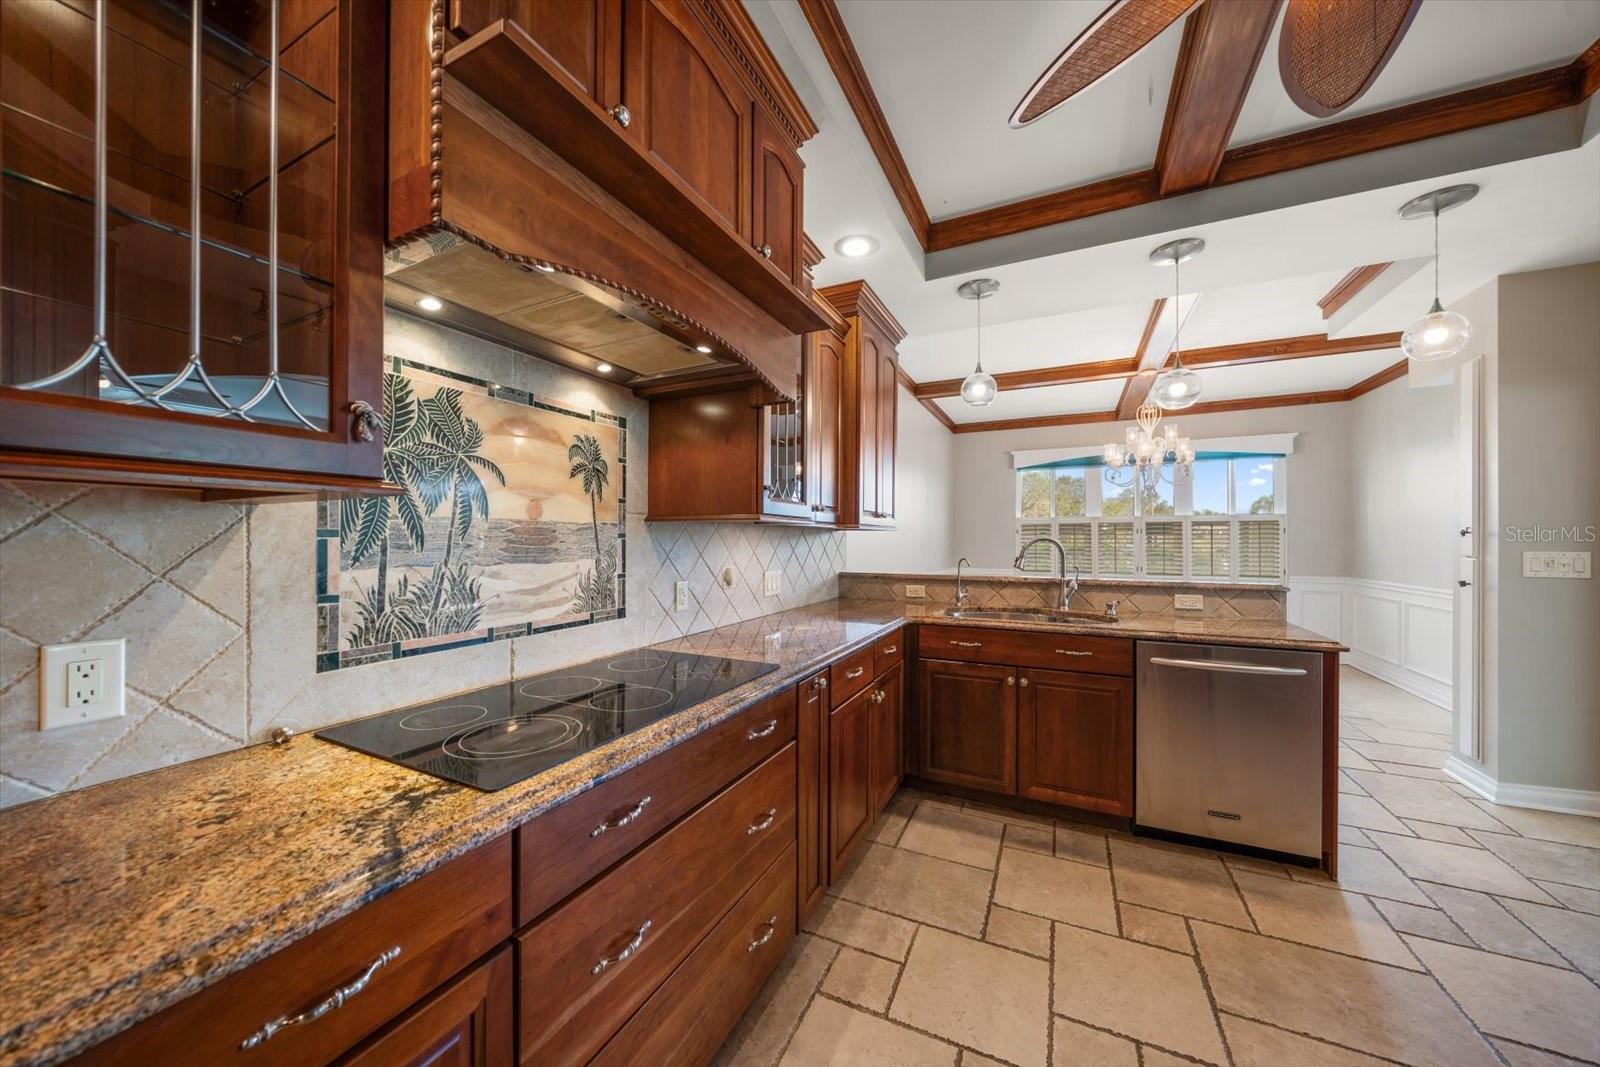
(1066, 374)
(935, 410)
(1222, 45)
(1515, 98)
(1037, 421)
(1348, 287)
(828, 26)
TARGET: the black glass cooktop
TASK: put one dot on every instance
(490, 738)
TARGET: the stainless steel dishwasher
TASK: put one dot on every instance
(1229, 745)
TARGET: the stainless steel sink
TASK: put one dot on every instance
(1039, 615)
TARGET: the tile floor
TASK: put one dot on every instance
(1460, 933)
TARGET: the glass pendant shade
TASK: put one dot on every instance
(1439, 334)
(1177, 388)
(978, 389)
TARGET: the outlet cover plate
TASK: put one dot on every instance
(1189, 601)
(916, 592)
(772, 584)
(82, 682)
(680, 596)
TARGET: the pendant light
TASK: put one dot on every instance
(978, 389)
(1439, 334)
(1179, 387)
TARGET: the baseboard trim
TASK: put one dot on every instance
(1542, 797)
(1418, 685)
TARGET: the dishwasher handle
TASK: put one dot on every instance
(1224, 667)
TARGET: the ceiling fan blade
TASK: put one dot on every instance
(1331, 51)
(1113, 38)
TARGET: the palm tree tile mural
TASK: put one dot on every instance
(511, 523)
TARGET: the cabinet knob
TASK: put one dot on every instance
(1023, 682)
(1011, 681)
(366, 423)
(822, 683)
(765, 250)
(622, 115)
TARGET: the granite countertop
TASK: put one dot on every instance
(1008, 574)
(1258, 633)
(123, 898)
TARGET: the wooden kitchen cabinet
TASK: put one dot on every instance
(285, 419)
(967, 724)
(467, 1023)
(579, 41)
(811, 750)
(822, 380)
(1075, 740)
(868, 403)
(850, 778)
(777, 201)
(888, 737)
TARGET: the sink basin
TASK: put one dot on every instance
(1039, 615)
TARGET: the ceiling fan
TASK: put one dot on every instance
(1329, 53)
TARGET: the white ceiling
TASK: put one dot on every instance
(1294, 375)
(1080, 397)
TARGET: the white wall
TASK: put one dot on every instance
(983, 513)
(923, 489)
(1403, 490)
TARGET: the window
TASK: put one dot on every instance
(1225, 524)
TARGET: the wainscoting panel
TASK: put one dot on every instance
(1399, 633)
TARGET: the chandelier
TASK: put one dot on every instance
(1149, 455)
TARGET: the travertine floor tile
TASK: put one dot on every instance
(1350, 759)
(1417, 757)
(1546, 825)
(1056, 889)
(970, 1058)
(1406, 770)
(1382, 1010)
(1348, 784)
(1367, 814)
(1550, 860)
(834, 1035)
(1336, 920)
(1366, 870)
(1155, 928)
(888, 828)
(758, 1039)
(1470, 868)
(1418, 798)
(1076, 1045)
(1575, 897)
(953, 835)
(871, 931)
(1186, 882)
(1435, 831)
(863, 980)
(1388, 735)
(1575, 935)
(1523, 1056)
(1350, 835)
(1014, 929)
(1483, 919)
(1030, 837)
(1143, 992)
(1255, 1044)
(1156, 1057)
(1255, 865)
(1529, 1002)
(1085, 846)
(925, 889)
(1424, 922)
(979, 995)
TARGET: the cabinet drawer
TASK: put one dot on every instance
(559, 851)
(1059, 651)
(468, 1021)
(423, 932)
(850, 675)
(888, 652)
(587, 966)
(687, 1019)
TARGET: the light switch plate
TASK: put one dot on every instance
(916, 592)
(83, 682)
(1189, 601)
(1556, 565)
(680, 596)
(772, 584)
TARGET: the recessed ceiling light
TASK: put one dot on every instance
(856, 245)
(431, 303)
(704, 350)
(604, 368)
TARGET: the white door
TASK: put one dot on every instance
(1469, 565)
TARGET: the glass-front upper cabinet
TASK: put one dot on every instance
(190, 241)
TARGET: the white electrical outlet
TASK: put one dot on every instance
(82, 683)
(680, 596)
(916, 592)
(1189, 601)
(772, 584)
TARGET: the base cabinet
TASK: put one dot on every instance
(1075, 740)
(887, 744)
(967, 724)
(468, 1023)
(811, 747)
(850, 810)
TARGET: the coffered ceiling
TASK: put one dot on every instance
(913, 99)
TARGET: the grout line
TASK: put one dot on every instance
(1211, 997)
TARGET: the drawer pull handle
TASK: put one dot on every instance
(624, 819)
(757, 734)
(967, 644)
(331, 1002)
(761, 823)
(858, 672)
(627, 950)
(772, 928)
(1072, 652)
(890, 650)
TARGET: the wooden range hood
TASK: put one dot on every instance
(493, 161)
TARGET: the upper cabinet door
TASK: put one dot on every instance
(579, 40)
(869, 361)
(687, 111)
(823, 370)
(779, 177)
(888, 428)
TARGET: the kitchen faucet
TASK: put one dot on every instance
(961, 586)
(1069, 587)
